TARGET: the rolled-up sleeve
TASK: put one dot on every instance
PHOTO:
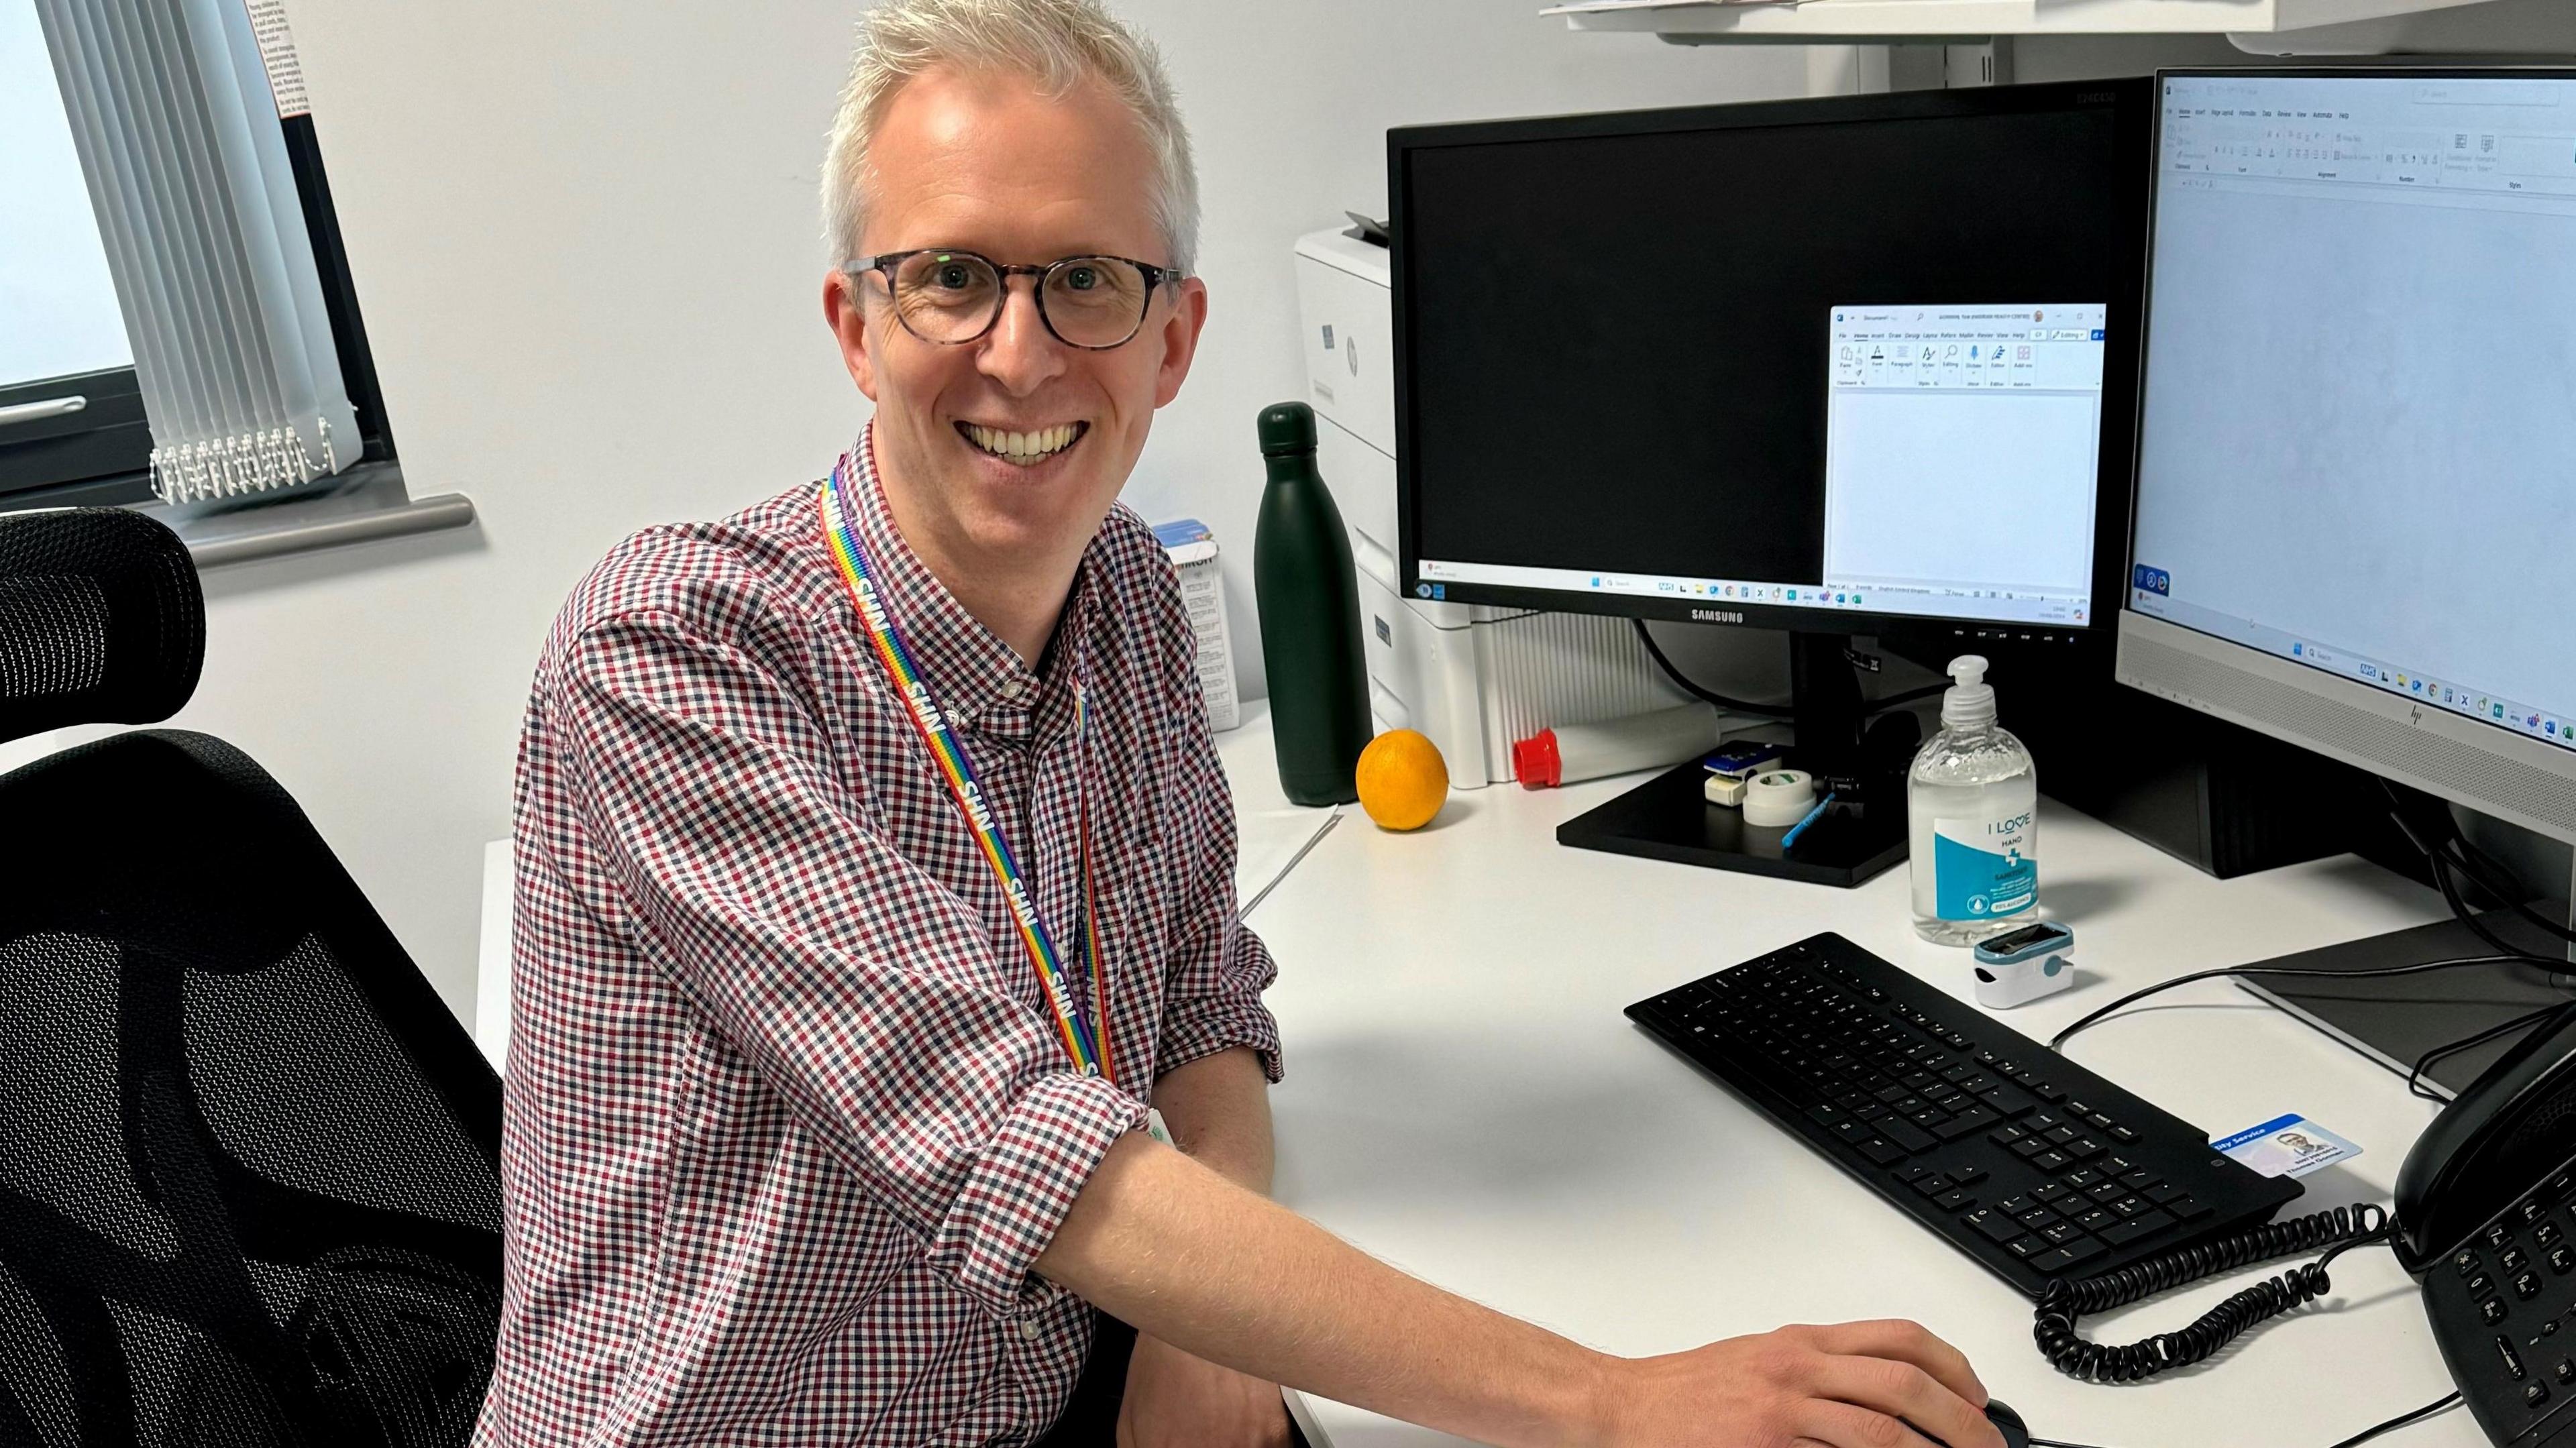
(848, 978)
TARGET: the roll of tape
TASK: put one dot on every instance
(1779, 798)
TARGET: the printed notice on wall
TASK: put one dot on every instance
(277, 52)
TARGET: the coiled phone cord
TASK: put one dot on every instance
(2054, 1327)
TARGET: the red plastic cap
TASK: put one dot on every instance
(1536, 762)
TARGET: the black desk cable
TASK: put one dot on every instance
(1684, 683)
(2454, 860)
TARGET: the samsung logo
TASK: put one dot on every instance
(1717, 615)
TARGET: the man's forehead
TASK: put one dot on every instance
(989, 161)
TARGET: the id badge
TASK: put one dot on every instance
(1155, 1128)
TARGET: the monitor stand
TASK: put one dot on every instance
(1667, 818)
(2395, 1021)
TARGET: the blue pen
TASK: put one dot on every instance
(1800, 827)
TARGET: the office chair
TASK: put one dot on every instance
(249, 1188)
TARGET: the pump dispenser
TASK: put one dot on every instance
(1972, 807)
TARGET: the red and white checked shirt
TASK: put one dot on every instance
(788, 1119)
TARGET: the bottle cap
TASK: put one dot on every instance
(1970, 704)
(1287, 428)
(1535, 761)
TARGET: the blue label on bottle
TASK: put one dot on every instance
(1983, 869)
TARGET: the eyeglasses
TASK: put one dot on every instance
(954, 297)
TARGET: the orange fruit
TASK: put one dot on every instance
(1402, 780)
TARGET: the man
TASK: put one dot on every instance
(823, 1127)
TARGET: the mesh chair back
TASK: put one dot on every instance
(248, 1159)
(101, 620)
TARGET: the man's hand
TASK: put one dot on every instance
(1177, 1401)
(1803, 1387)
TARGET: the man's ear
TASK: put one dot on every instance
(1180, 332)
(845, 311)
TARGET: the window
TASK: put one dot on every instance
(176, 315)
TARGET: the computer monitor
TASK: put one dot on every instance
(2356, 474)
(1834, 366)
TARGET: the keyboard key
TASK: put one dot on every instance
(1905, 1134)
(2491, 1311)
(1993, 1225)
(2498, 1236)
(2534, 1394)
(2547, 1235)
(2083, 1249)
(1968, 1175)
(2008, 1136)
(2083, 1179)
(2527, 1286)
(2512, 1360)
(2083, 1148)
(2029, 1148)
(2513, 1260)
(1931, 1184)
(2095, 1219)
(2034, 1218)
(2006, 1102)
(1824, 1115)
(1954, 1200)
(2131, 1207)
(2466, 1261)
(2163, 1194)
(2136, 1228)
(2049, 1192)
(2123, 1135)
(2136, 1181)
(2533, 1212)
(2059, 1135)
(2106, 1192)
(2481, 1285)
(2052, 1160)
(2028, 1247)
(2561, 1261)
(2188, 1208)
(2015, 1206)
(2058, 1234)
(1968, 1121)
(1880, 1151)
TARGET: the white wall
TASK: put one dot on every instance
(583, 236)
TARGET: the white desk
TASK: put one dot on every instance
(1465, 1100)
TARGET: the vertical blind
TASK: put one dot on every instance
(178, 133)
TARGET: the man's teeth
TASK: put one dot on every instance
(1021, 447)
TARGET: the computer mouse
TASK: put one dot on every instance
(2007, 1422)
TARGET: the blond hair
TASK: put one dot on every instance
(1056, 43)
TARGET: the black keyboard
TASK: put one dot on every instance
(2030, 1164)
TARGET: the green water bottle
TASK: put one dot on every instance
(1310, 617)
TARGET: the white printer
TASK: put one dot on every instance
(1471, 678)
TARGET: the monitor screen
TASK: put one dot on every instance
(1793, 363)
(2358, 444)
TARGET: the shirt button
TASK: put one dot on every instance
(1029, 1328)
(1015, 688)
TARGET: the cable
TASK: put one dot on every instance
(2054, 1325)
(1746, 706)
(2058, 1041)
(2424, 1063)
(1740, 706)
(2400, 1421)
(1881, 706)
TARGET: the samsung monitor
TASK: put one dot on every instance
(1836, 366)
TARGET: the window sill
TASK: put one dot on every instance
(370, 507)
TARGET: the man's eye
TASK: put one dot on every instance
(954, 276)
(1081, 278)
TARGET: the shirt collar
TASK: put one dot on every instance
(975, 677)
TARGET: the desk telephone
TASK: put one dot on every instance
(2485, 1222)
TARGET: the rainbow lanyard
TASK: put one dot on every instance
(1090, 1051)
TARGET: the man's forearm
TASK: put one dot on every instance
(1168, 1245)
(1218, 1108)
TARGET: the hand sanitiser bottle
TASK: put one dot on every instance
(1972, 807)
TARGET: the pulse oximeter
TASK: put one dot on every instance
(2022, 965)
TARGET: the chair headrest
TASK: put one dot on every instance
(102, 620)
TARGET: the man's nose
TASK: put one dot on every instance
(1020, 353)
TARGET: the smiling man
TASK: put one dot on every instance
(888, 1062)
